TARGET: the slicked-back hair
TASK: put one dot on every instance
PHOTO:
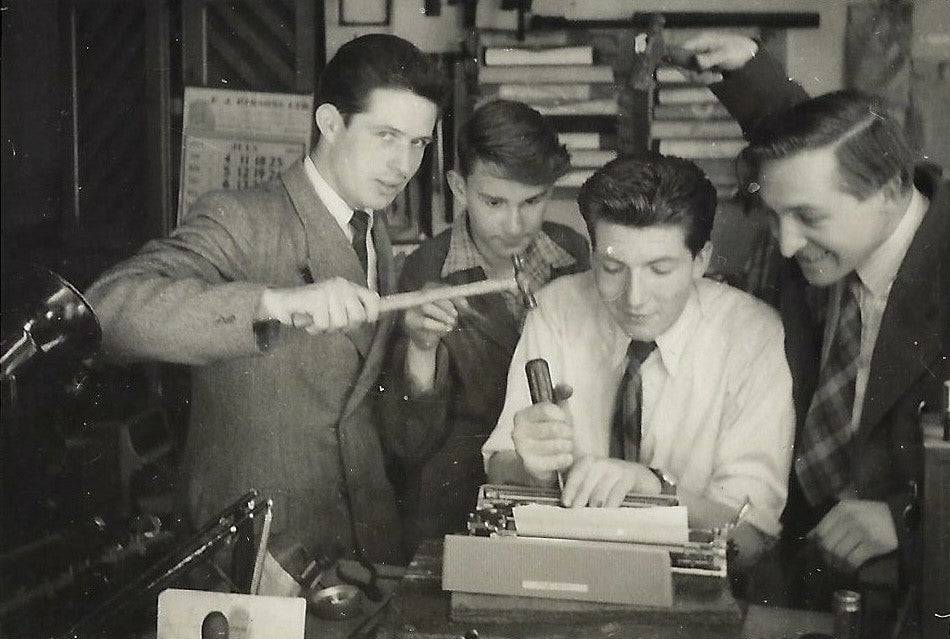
(377, 61)
(867, 142)
(515, 140)
(651, 190)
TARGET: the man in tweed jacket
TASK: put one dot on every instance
(263, 292)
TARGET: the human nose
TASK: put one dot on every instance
(788, 232)
(634, 289)
(514, 224)
(402, 159)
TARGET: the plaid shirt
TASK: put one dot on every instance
(541, 257)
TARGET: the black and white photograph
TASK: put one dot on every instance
(512, 319)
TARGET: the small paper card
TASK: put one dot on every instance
(181, 613)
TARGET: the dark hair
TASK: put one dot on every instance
(516, 140)
(868, 143)
(651, 190)
(377, 61)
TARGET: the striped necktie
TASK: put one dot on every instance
(628, 414)
(822, 463)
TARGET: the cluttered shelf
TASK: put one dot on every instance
(608, 95)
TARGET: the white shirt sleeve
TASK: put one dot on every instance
(754, 450)
(537, 331)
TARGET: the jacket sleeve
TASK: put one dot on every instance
(187, 298)
(758, 91)
(413, 425)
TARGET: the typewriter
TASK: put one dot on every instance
(495, 559)
(704, 554)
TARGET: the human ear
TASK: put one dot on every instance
(457, 186)
(701, 260)
(328, 120)
(893, 191)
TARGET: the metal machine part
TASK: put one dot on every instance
(704, 554)
(42, 315)
(527, 295)
(227, 526)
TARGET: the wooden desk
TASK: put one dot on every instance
(420, 609)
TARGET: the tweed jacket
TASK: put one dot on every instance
(434, 440)
(911, 357)
(292, 419)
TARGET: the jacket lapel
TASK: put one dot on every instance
(329, 252)
(915, 314)
(803, 337)
(371, 338)
(365, 336)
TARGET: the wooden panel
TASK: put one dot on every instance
(119, 54)
(110, 146)
(260, 45)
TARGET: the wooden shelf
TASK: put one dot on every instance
(687, 19)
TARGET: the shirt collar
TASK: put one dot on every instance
(463, 255)
(671, 343)
(340, 210)
(879, 270)
(541, 256)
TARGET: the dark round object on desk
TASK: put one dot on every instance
(215, 626)
(815, 635)
(336, 602)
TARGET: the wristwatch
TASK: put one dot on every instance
(667, 483)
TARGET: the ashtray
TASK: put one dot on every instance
(342, 601)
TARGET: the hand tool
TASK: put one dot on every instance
(539, 375)
(401, 301)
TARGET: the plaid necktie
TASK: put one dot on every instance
(822, 463)
(626, 433)
(360, 224)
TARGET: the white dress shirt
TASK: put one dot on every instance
(717, 392)
(342, 213)
(876, 275)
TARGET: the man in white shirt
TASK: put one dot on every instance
(716, 417)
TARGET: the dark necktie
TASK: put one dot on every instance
(626, 433)
(360, 224)
(822, 462)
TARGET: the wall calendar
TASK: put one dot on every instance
(239, 139)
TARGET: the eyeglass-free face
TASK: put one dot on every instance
(645, 275)
(827, 230)
(370, 159)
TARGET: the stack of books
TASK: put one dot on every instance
(564, 82)
(689, 122)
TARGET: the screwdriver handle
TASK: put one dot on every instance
(539, 381)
